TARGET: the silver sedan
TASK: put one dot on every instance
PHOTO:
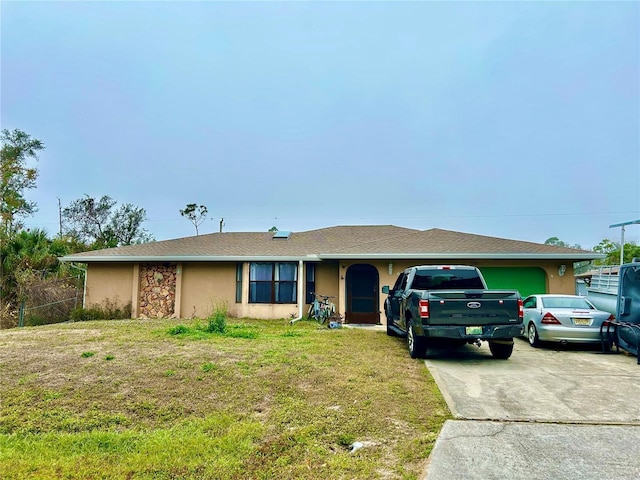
(562, 318)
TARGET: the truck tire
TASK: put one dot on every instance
(501, 349)
(416, 344)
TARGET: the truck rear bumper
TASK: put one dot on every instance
(471, 333)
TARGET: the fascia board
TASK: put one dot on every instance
(332, 256)
(184, 258)
(447, 256)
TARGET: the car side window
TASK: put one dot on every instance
(401, 282)
(530, 303)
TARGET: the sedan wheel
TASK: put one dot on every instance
(532, 336)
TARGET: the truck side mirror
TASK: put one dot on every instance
(385, 289)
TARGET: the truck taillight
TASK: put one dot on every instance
(520, 309)
(423, 308)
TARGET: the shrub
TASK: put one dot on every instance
(109, 310)
(84, 314)
(217, 321)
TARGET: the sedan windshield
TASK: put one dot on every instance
(566, 302)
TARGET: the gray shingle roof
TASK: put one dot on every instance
(446, 241)
(373, 241)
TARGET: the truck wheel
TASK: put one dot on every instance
(532, 336)
(417, 345)
(501, 349)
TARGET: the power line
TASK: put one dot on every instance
(411, 217)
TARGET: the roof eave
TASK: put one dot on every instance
(332, 256)
(187, 258)
(467, 255)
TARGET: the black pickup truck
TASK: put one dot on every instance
(449, 305)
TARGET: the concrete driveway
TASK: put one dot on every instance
(549, 413)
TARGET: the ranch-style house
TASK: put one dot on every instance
(273, 275)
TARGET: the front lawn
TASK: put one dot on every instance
(167, 399)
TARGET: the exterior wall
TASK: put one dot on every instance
(262, 310)
(203, 285)
(200, 286)
(328, 280)
(109, 283)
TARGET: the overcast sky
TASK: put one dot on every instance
(517, 120)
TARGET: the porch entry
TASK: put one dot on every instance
(362, 287)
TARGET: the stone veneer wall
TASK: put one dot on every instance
(157, 290)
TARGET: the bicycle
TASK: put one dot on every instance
(322, 309)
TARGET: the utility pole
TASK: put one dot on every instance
(633, 222)
(60, 215)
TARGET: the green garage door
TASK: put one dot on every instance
(527, 280)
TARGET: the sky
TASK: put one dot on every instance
(516, 120)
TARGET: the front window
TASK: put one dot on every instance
(273, 282)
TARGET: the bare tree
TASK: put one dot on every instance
(196, 214)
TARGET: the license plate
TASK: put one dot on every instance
(582, 321)
(473, 330)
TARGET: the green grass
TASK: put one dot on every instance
(259, 400)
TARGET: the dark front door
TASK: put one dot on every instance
(362, 295)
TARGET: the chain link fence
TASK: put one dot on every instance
(49, 300)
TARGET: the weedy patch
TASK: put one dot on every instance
(209, 367)
(260, 399)
(178, 330)
(204, 331)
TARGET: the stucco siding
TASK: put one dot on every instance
(200, 286)
(109, 283)
(327, 278)
(204, 285)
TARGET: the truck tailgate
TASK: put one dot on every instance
(473, 307)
